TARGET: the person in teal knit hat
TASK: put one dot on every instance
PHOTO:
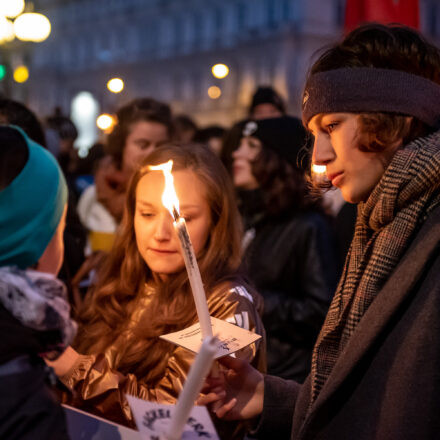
(34, 312)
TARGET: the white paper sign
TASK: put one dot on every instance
(231, 337)
(153, 419)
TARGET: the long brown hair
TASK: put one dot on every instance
(123, 278)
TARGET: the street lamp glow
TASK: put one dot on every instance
(21, 74)
(6, 30)
(32, 26)
(11, 8)
(214, 92)
(115, 85)
(105, 121)
(220, 70)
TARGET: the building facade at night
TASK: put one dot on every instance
(165, 49)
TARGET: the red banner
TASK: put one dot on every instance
(381, 11)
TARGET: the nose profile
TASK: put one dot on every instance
(237, 152)
(323, 152)
(164, 227)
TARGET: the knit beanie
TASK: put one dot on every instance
(285, 135)
(267, 95)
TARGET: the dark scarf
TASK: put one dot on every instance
(385, 227)
(39, 301)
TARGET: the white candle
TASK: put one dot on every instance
(193, 384)
(171, 202)
(194, 277)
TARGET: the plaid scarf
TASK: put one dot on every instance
(386, 224)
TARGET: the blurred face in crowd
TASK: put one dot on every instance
(156, 238)
(216, 145)
(265, 111)
(52, 258)
(336, 146)
(142, 139)
(243, 157)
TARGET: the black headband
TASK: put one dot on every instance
(367, 89)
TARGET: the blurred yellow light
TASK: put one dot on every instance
(319, 169)
(214, 92)
(21, 74)
(115, 85)
(32, 27)
(11, 8)
(220, 70)
(105, 121)
(6, 30)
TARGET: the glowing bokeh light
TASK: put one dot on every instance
(220, 70)
(115, 85)
(32, 26)
(11, 8)
(105, 122)
(21, 74)
(6, 30)
(214, 92)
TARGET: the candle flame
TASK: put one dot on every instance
(169, 196)
(319, 169)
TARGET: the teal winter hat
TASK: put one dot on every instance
(31, 207)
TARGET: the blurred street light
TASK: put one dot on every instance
(11, 8)
(115, 85)
(32, 26)
(220, 70)
(21, 74)
(214, 92)
(27, 26)
(6, 30)
(105, 122)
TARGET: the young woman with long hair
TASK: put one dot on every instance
(143, 289)
(289, 245)
(372, 102)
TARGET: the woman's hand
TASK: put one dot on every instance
(237, 393)
(65, 362)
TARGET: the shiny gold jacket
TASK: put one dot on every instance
(96, 386)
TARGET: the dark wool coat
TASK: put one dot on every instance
(386, 383)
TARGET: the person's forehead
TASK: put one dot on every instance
(189, 188)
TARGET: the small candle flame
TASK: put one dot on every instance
(169, 196)
(319, 169)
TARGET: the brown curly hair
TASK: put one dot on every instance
(284, 187)
(388, 47)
